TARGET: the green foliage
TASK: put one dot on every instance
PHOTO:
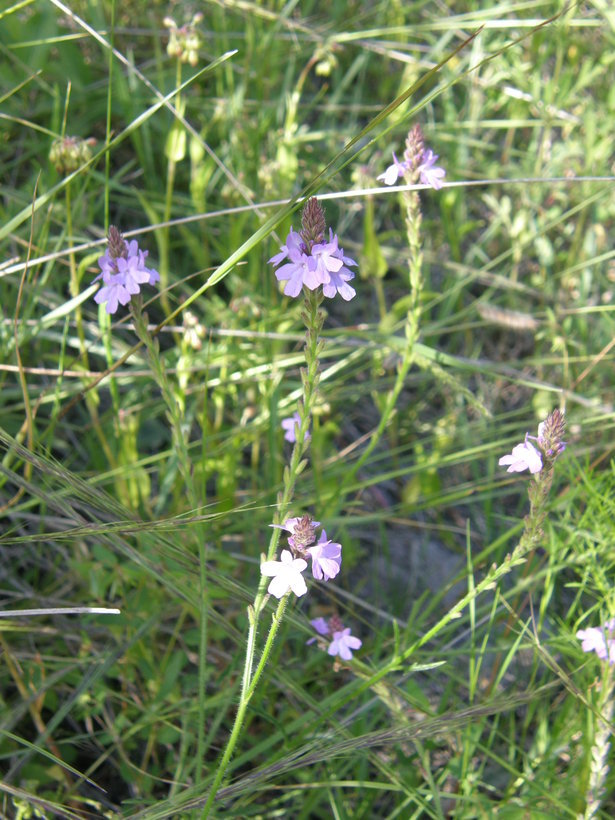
(471, 695)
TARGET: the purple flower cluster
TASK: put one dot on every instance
(312, 261)
(326, 557)
(123, 271)
(419, 163)
(526, 456)
(600, 640)
(425, 169)
(343, 643)
(325, 264)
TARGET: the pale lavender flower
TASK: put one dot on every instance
(550, 445)
(291, 427)
(114, 292)
(123, 271)
(300, 270)
(393, 172)
(331, 264)
(326, 558)
(326, 555)
(327, 258)
(321, 626)
(286, 575)
(343, 644)
(523, 457)
(599, 640)
(430, 173)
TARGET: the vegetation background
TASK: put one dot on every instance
(464, 701)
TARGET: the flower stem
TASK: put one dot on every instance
(313, 318)
(411, 330)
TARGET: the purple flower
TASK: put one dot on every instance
(321, 626)
(599, 640)
(326, 558)
(113, 292)
(300, 270)
(342, 644)
(343, 641)
(291, 427)
(286, 575)
(430, 173)
(312, 261)
(393, 172)
(327, 256)
(523, 457)
(123, 271)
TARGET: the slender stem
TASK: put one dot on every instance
(204, 603)
(415, 261)
(314, 319)
(74, 278)
(168, 201)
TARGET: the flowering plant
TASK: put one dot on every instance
(123, 271)
(312, 261)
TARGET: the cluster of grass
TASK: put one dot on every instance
(470, 695)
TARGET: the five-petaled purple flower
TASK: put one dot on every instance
(343, 643)
(600, 640)
(291, 428)
(123, 271)
(312, 261)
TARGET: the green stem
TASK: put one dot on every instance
(411, 330)
(314, 319)
(168, 202)
(74, 278)
(204, 602)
